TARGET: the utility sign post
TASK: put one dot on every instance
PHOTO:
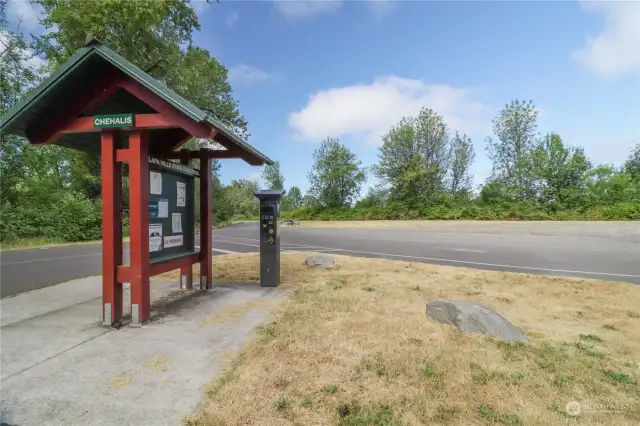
(269, 237)
(113, 120)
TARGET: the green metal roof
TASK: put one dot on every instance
(81, 70)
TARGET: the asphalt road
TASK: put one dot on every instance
(607, 251)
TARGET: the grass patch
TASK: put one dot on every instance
(618, 377)
(353, 415)
(591, 337)
(488, 413)
(609, 327)
(343, 356)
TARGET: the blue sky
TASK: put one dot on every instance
(303, 71)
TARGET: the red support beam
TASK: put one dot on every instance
(186, 270)
(104, 87)
(122, 155)
(141, 121)
(199, 130)
(111, 231)
(139, 227)
(183, 262)
(206, 266)
(123, 274)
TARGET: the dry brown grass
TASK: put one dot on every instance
(353, 346)
(229, 314)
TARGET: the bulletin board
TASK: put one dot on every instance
(171, 210)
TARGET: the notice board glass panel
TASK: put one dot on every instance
(171, 210)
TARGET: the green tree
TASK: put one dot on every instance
(147, 32)
(292, 199)
(632, 165)
(608, 186)
(560, 172)
(414, 158)
(376, 196)
(272, 176)
(515, 130)
(240, 195)
(201, 79)
(462, 157)
(336, 175)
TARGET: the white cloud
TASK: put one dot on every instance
(296, 10)
(255, 177)
(242, 74)
(200, 7)
(381, 8)
(615, 51)
(369, 110)
(231, 19)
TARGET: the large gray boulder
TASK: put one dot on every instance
(320, 261)
(471, 317)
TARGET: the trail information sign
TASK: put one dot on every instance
(171, 210)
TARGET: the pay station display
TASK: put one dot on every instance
(171, 210)
(267, 222)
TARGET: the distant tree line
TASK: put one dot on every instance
(424, 173)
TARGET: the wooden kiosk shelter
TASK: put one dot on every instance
(102, 103)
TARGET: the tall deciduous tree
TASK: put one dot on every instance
(560, 172)
(147, 32)
(336, 176)
(632, 165)
(414, 158)
(201, 79)
(240, 195)
(462, 157)
(515, 130)
(272, 176)
(292, 199)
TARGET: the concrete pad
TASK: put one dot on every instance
(61, 366)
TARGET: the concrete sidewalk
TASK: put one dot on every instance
(60, 366)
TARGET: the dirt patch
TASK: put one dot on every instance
(159, 364)
(354, 346)
(229, 314)
(119, 381)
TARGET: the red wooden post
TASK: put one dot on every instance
(206, 266)
(139, 227)
(111, 230)
(186, 272)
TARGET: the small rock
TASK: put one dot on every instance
(471, 317)
(319, 260)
